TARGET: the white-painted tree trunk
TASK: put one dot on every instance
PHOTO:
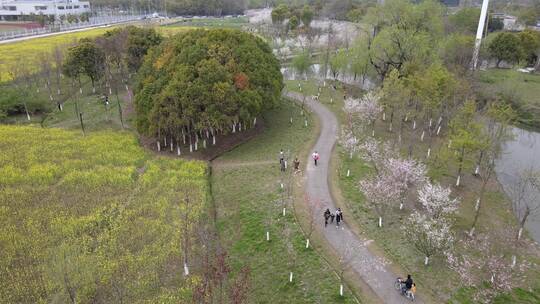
(172, 146)
(380, 221)
(290, 120)
(281, 185)
(80, 91)
(214, 140)
(305, 122)
(178, 152)
(127, 88)
(196, 145)
(520, 232)
(307, 243)
(514, 260)
(430, 122)
(93, 90)
(190, 148)
(438, 130)
(350, 155)
(290, 277)
(348, 172)
(331, 100)
(268, 235)
(284, 211)
(422, 136)
(414, 125)
(234, 128)
(384, 116)
(477, 170)
(458, 180)
(471, 232)
(426, 261)
(110, 91)
(186, 269)
(285, 164)
(165, 141)
(254, 121)
(372, 133)
(390, 128)
(449, 144)
(239, 127)
(477, 205)
(28, 116)
(61, 108)
(204, 143)
(341, 290)
(406, 117)
(401, 206)
(428, 152)
(158, 146)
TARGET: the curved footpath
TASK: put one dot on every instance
(353, 250)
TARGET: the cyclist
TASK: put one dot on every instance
(408, 284)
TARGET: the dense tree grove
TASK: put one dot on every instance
(203, 82)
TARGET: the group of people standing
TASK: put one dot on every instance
(330, 216)
(283, 162)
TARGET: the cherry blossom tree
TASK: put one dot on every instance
(351, 107)
(436, 200)
(381, 191)
(480, 265)
(370, 109)
(405, 173)
(430, 236)
(349, 142)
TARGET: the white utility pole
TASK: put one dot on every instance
(479, 33)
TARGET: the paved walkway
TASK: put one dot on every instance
(370, 268)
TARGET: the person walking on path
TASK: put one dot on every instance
(339, 217)
(316, 157)
(332, 215)
(282, 165)
(326, 217)
(281, 156)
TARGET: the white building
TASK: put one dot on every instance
(15, 9)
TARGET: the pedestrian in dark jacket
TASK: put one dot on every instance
(326, 216)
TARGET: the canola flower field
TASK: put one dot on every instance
(30, 51)
(93, 218)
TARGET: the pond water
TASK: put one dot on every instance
(317, 72)
(520, 154)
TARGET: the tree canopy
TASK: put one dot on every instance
(206, 80)
(85, 59)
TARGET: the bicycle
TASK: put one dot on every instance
(407, 293)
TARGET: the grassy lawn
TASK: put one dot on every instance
(246, 189)
(436, 281)
(521, 89)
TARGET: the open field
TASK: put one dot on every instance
(28, 52)
(520, 89)
(95, 217)
(436, 280)
(246, 189)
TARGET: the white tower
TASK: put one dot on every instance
(479, 33)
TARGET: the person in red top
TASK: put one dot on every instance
(315, 157)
